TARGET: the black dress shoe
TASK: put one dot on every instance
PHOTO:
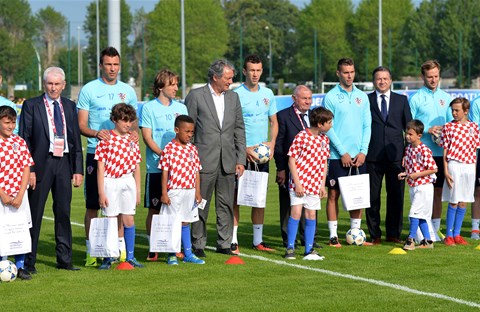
(68, 267)
(225, 251)
(24, 275)
(200, 253)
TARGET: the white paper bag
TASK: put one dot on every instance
(14, 235)
(355, 191)
(103, 236)
(252, 189)
(166, 232)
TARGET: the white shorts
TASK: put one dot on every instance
(181, 204)
(308, 201)
(23, 210)
(122, 196)
(421, 198)
(463, 183)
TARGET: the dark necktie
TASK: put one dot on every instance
(384, 108)
(304, 121)
(57, 118)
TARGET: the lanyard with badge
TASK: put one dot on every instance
(298, 113)
(58, 140)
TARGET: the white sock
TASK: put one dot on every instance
(257, 234)
(332, 227)
(355, 223)
(436, 224)
(87, 242)
(121, 244)
(235, 238)
(475, 224)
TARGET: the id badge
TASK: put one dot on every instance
(58, 146)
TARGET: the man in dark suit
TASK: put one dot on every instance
(220, 140)
(291, 121)
(390, 114)
(49, 125)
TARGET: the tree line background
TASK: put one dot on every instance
(305, 42)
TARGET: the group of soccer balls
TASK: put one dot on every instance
(8, 271)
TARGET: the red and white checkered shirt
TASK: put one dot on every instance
(14, 157)
(182, 164)
(311, 153)
(418, 159)
(119, 154)
(461, 141)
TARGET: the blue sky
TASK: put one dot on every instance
(76, 10)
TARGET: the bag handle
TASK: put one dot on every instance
(350, 171)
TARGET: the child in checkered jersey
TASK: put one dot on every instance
(420, 169)
(118, 176)
(181, 167)
(308, 157)
(460, 140)
(14, 173)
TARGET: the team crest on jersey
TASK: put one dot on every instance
(471, 132)
(332, 182)
(89, 169)
(191, 156)
(442, 103)
(266, 101)
(132, 145)
(324, 144)
(358, 101)
(418, 157)
(122, 96)
(15, 147)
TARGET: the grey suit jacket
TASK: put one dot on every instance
(225, 145)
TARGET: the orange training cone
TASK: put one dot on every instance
(234, 260)
(124, 266)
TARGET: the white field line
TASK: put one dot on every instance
(342, 275)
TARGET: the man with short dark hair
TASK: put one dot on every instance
(390, 114)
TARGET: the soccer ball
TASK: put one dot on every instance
(8, 271)
(355, 237)
(263, 153)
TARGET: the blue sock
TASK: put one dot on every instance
(292, 229)
(425, 230)
(186, 241)
(20, 261)
(458, 221)
(413, 227)
(451, 212)
(310, 226)
(129, 234)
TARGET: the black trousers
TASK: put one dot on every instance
(57, 178)
(395, 192)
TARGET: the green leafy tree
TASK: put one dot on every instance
(90, 27)
(52, 27)
(252, 22)
(421, 35)
(364, 26)
(205, 32)
(329, 19)
(138, 49)
(16, 49)
(458, 32)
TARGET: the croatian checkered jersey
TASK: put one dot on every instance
(461, 141)
(182, 164)
(419, 159)
(119, 154)
(311, 153)
(14, 157)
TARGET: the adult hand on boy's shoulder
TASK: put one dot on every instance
(134, 136)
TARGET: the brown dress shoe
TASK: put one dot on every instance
(376, 241)
(394, 240)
